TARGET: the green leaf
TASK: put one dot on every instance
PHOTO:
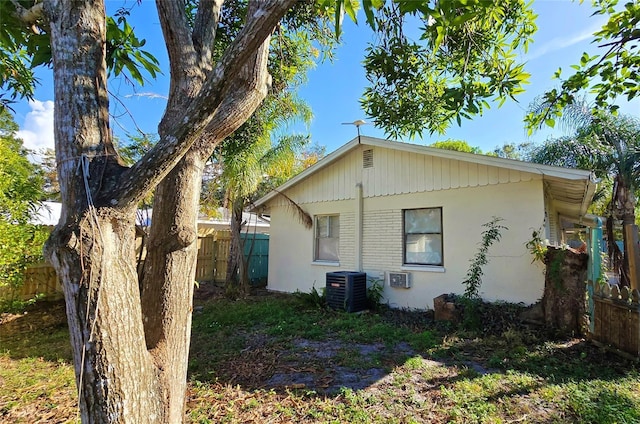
(339, 16)
(351, 9)
(369, 6)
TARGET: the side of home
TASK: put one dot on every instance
(385, 207)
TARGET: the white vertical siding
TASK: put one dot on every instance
(428, 177)
(437, 173)
(454, 172)
(396, 172)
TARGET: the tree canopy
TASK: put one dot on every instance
(20, 195)
(608, 76)
(458, 145)
(434, 62)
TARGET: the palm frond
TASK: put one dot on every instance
(301, 215)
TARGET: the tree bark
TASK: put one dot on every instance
(93, 247)
(170, 265)
(130, 352)
(235, 279)
(564, 290)
(167, 289)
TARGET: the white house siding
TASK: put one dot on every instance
(509, 276)
(470, 194)
(291, 265)
(396, 172)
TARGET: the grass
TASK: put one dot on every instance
(275, 359)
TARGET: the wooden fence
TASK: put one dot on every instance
(39, 279)
(615, 316)
(213, 251)
(256, 252)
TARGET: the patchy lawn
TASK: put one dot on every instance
(273, 359)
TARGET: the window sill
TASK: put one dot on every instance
(325, 263)
(424, 268)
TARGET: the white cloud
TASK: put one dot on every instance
(37, 129)
(150, 95)
(559, 43)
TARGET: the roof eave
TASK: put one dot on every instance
(322, 163)
(533, 168)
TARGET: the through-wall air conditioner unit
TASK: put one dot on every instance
(347, 290)
(398, 280)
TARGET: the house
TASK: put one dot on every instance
(47, 214)
(251, 223)
(213, 242)
(385, 207)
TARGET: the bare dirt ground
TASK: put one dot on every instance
(40, 316)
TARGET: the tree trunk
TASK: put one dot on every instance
(235, 281)
(630, 236)
(130, 370)
(564, 290)
(93, 248)
(167, 289)
(624, 202)
(115, 375)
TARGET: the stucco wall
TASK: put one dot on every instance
(509, 275)
(291, 265)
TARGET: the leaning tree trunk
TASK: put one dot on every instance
(167, 288)
(564, 290)
(92, 248)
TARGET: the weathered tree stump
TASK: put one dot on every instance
(445, 309)
(564, 292)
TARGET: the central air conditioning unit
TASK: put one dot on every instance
(347, 290)
(398, 280)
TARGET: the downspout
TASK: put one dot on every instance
(359, 215)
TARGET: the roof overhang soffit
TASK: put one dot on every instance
(570, 197)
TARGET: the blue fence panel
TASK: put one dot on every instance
(256, 245)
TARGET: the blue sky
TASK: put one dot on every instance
(333, 88)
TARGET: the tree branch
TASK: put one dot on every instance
(29, 16)
(204, 31)
(247, 92)
(189, 125)
(182, 54)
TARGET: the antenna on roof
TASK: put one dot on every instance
(358, 124)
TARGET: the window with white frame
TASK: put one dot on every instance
(423, 236)
(327, 238)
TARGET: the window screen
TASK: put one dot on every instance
(423, 236)
(327, 238)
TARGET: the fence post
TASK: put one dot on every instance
(633, 254)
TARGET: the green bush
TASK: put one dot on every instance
(313, 299)
(20, 194)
